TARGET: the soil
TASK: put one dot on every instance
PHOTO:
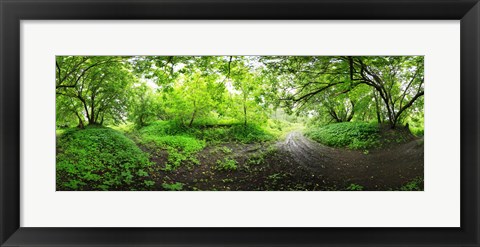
(380, 169)
(297, 163)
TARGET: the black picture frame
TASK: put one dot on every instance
(13, 11)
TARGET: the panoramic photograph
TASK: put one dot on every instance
(239, 123)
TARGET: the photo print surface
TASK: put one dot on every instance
(239, 123)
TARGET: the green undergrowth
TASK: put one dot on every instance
(217, 133)
(183, 143)
(360, 135)
(280, 129)
(97, 158)
(227, 164)
(354, 135)
(415, 184)
(173, 186)
(180, 148)
(417, 131)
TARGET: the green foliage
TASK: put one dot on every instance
(176, 139)
(92, 89)
(353, 135)
(275, 180)
(100, 159)
(417, 131)
(180, 104)
(193, 99)
(182, 142)
(226, 165)
(276, 176)
(354, 187)
(180, 148)
(144, 106)
(280, 128)
(259, 157)
(209, 133)
(159, 128)
(149, 183)
(248, 134)
(415, 118)
(256, 159)
(344, 88)
(226, 150)
(415, 185)
(173, 187)
(124, 128)
(191, 89)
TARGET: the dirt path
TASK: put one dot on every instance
(379, 169)
(297, 163)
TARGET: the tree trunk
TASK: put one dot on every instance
(193, 118)
(334, 115)
(352, 112)
(377, 107)
(393, 123)
(193, 114)
(81, 125)
(245, 114)
(92, 110)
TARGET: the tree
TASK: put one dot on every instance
(397, 83)
(68, 112)
(95, 88)
(194, 89)
(247, 88)
(143, 106)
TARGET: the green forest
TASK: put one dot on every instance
(239, 123)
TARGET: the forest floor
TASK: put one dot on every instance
(382, 169)
(297, 163)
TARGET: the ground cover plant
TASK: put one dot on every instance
(98, 158)
(174, 123)
(347, 134)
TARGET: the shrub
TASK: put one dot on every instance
(209, 133)
(249, 133)
(99, 158)
(348, 134)
(160, 128)
(232, 132)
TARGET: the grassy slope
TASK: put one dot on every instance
(104, 159)
(358, 135)
(98, 158)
